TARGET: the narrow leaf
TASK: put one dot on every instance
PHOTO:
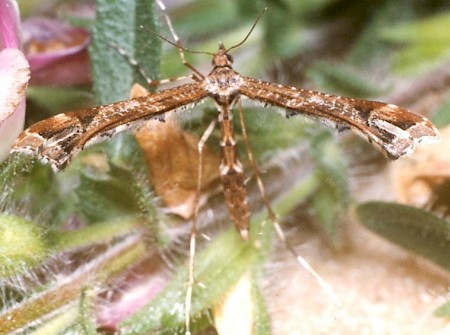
(119, 23)
(262, 322)
(414, 229)
(427, 43)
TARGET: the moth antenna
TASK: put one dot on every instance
(175, 44)
(250, 31)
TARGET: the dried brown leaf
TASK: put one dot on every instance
(172, 156)
(417, 177)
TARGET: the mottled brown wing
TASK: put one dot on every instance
(58, 139)
(393, 129)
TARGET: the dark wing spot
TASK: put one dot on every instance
(385, 136)
(363, 111)
(340, 127)
(290, 113)
(404, 124)
(85, 118)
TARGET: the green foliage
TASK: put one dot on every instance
(262, 323)
(280, 36)
(270, 131)
(418, 231)
(414, 229)
(49, 100)
(28, 185)
(67, 290)
(217, 268)
(63, 323)
(115, 201)
(119, 23)
(22, 245)
(86, 319)
(204, 18)
(426, 43)
(120, 189)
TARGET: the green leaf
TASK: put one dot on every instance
(417, 59)
(86, 317)
(435, 29)
(414, 229)
(370, 49)
(99, 232)
(119, 23)
(427, 43)
(59, 324)
(106, 197)
(123, 189)
(262, 323)
(28, 185)
(119, 190)
(305, 7)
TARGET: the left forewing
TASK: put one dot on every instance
(58, 139)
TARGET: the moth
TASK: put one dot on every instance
(394, 130)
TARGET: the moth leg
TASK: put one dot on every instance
(192, 241)
(134, 63)
(177, 41)
(272, 216)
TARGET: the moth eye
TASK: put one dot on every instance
(230, 58)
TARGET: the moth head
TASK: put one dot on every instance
(222, 58)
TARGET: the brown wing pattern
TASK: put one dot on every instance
(58, 139)
(395, 130)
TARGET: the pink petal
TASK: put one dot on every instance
(134, 297)
(57, 52)
(14, 76)
(9, 24)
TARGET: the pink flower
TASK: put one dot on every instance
(57, 52)
(14, 76)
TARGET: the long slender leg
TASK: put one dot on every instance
(273, 218)
(150, 82)
(177, 40)
(192, 242)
